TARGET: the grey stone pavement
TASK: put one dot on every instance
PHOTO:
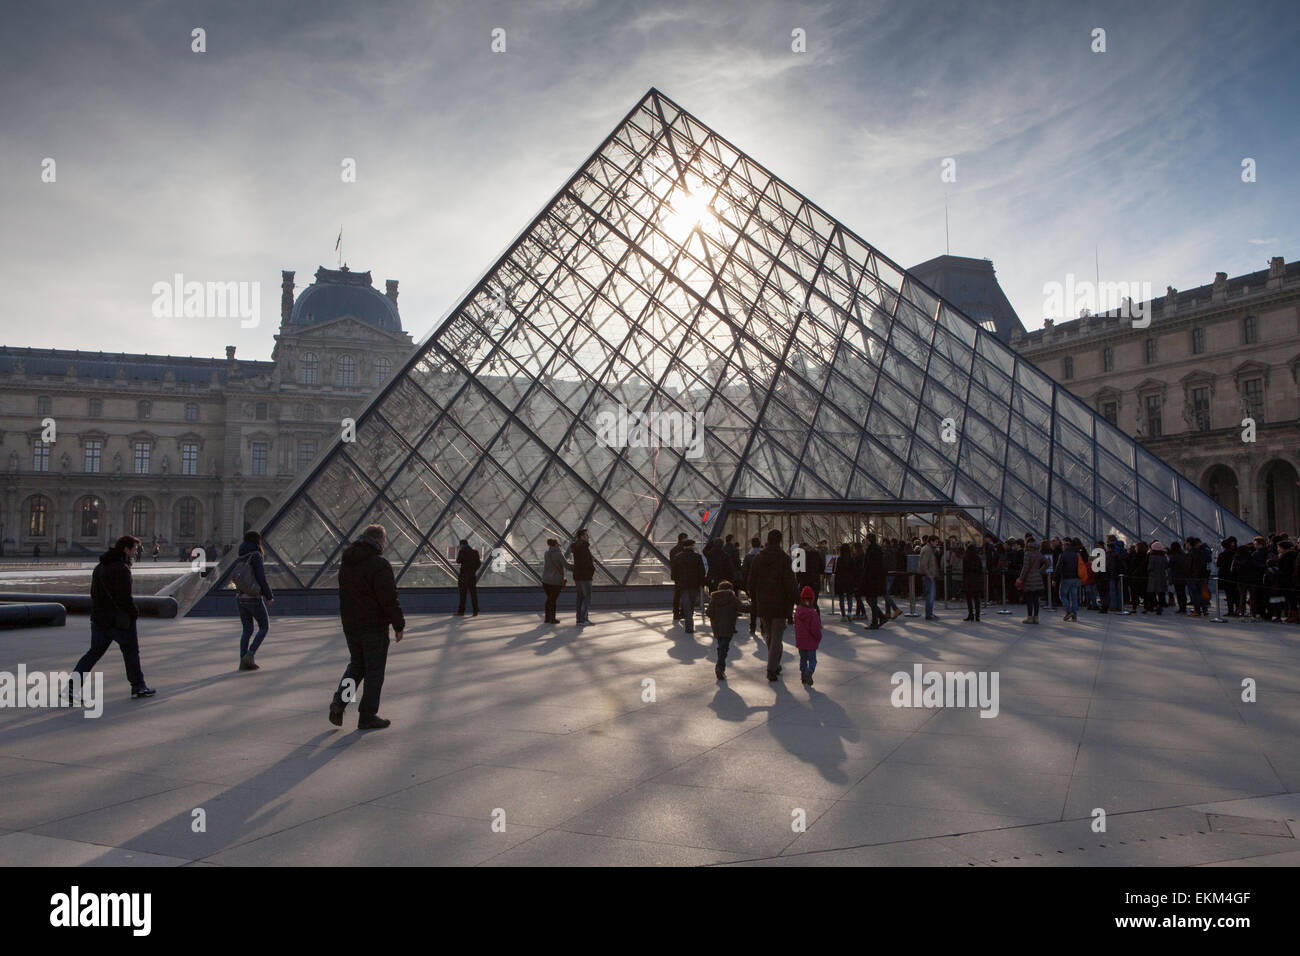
(547, 730)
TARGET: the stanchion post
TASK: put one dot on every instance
(911, 596)
(1218, 612)
(1123, 596)
(1005, 609)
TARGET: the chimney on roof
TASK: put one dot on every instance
(1219, 291)
(230, 353)
(1276, 272)
(390, 289)
(286, 294)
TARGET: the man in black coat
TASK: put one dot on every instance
(772, 584)
(677, 594)
(367, 606)
(688, 577)
(113, 613)
(467, 578)
(873, 580)
(584, 570)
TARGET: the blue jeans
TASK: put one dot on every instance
(252, 609)
(807, 661)
(889, 593)
(1116, 598)
(584, 599)
(1069, 591)
(929, 597)
(127, 641)
(687, 601)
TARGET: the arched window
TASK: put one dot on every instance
(139, 518)
(38, 516)
(347, 370)
(187, 518)
(383, 368)
(90, 508)
(308, 368)
(191, 411)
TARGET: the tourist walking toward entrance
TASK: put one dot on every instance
(724, 608)
(467, 578)
(113, 613)
(845, 585)
(807, 633)
(928, 568)
(367, 606)
(584, 569)
(249, 578)
(689, 575)
(895, 565)
(972, 578)
(1032, 580)
(774, 587)
(677, 595)
(553, 568)
(873, 581)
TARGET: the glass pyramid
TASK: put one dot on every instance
(679, 330)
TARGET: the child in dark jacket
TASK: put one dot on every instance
(807, 633)
(724, 608)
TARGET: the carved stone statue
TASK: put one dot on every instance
(117, 463)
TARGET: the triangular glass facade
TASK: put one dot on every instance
(674, 277)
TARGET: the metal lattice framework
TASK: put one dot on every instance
(675, 277)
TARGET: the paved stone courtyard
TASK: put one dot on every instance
(546, 730)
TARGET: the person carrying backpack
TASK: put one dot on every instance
(251, 589)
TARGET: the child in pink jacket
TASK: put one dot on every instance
(807, 633)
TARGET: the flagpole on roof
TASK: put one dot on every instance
(338, 246)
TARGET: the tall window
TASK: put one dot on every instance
(191, 412)
(306, 452)
(383, 368)
(1150, 351)
(1068, 367)
(138, 518)
(144, 410)
(90, 509)
(1153, 417)
(142, 449)
(1201, 408)
(41, 456)
(1108, 359)
(259, 458)
(1198, 341)
(96, 409)
(189, 458)
(347, 370)
(1253, 396)
(94, 451)
(308, 368)
(187, 513)
(1249, 330)
(44, 406)
(259, 411)
(1110, 412)
(37, 516)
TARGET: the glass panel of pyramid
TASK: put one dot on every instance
(679, 331)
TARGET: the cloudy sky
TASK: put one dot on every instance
(225, 165)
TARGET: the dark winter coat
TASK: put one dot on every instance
(1032, 572)
(584, 567)
(873, 572)
(688, 570)
(1157, 572)
(724, 608)
(111, 604)
(1065, 566)
(367, 590)
(1179, 567)
(469, 562)
(772, 583)
(258, 566)
(972, 571)
(745, 568)
(845, 574)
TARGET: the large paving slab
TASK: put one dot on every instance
(518, 744)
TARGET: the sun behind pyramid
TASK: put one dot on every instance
(681, 332)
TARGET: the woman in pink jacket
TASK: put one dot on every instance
(807, 633)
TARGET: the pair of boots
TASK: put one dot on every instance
(1031, 619)
(720, 669)
(246, 663)
(806, 677)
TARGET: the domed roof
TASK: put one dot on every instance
(340, 292)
